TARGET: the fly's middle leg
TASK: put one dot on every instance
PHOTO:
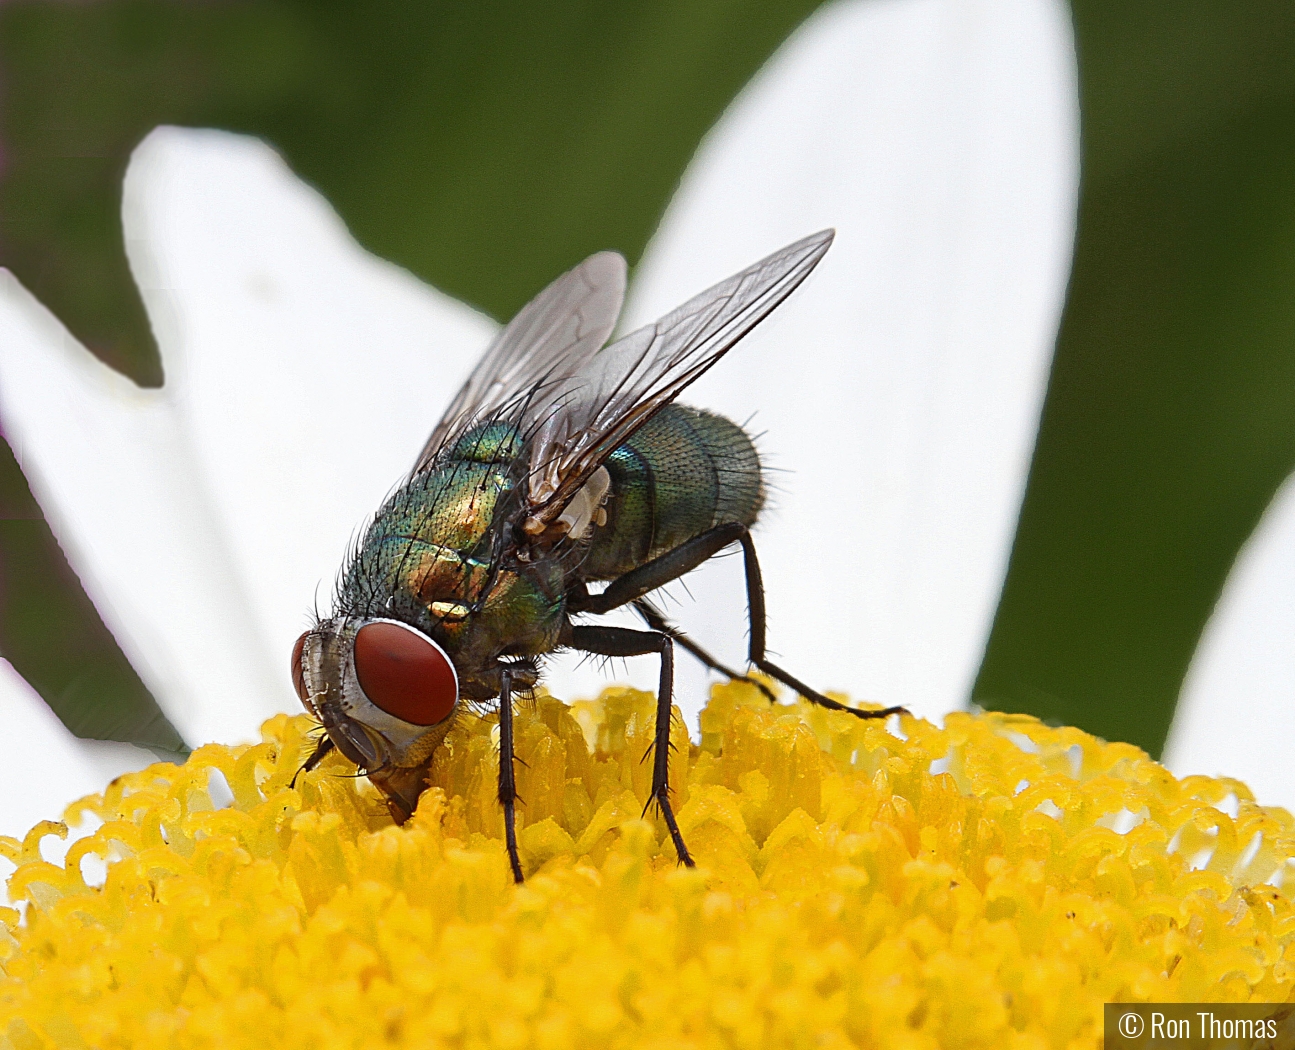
(654, 618)
(620, 641)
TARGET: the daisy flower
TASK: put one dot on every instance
(990, 882)
(897, 394)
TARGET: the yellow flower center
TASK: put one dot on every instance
(988, 884)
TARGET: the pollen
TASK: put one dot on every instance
(860, 883)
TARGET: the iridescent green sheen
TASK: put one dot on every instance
(685, 471)
(492, 443)
(427, 551)
(426, 557)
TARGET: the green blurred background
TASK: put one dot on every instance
(488, 146)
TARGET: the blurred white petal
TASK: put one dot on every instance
(900, 388)
(310, 371)
(302, 375)
(115, 473)
(1236, 713)
(50, 767)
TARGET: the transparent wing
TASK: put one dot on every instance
(552, 337)
(576, 421)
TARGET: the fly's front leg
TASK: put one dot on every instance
(755, 615)
(620, 641)
(322, 748)
(653, 617)
(507, 780)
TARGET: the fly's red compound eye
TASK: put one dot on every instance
(298, 676)
(405, 673)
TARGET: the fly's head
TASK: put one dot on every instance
(386, 694)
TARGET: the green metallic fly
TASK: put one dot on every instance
(560, 463)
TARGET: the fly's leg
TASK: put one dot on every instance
(507, 779)
(620, 641)
(322, 748)
(755, 617)
(686, 557)
(653, 617)
(659, 571)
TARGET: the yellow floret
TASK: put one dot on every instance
(847, 894)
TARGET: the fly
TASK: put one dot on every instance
(563, 461)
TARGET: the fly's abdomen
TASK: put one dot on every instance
(682, 473)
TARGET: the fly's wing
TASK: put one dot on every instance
(576, 422)
(553, 336)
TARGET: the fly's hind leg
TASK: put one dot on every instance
(687, 556)
(755, 616)
(620, 641)
(654, 618)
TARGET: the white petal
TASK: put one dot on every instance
(901, 387)
(46, 767)
(310, 371)
(301, 376)
(1236, 713)
(113, 470)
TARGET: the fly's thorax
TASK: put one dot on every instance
(385, 691)
(452, 504)
(432, 539)
(683, 472)
(487, 443)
